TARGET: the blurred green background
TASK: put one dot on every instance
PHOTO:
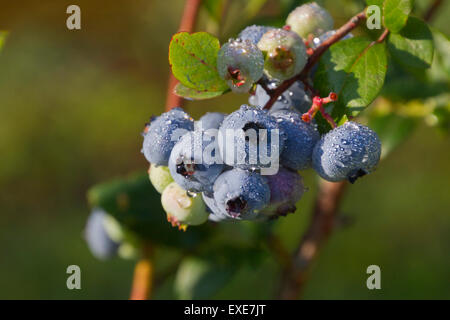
(72, 106)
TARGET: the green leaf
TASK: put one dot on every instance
(193, 94)
(396, 14)
(392, 129)
(413, 46)
(193, 60)
(199, 278)
(136, 205)
(355, 69)
(440, 69)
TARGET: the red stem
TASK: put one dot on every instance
(187, 24)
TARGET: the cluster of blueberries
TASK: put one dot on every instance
(200, 177)
(235, 184)
(194, 190)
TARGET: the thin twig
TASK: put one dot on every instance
(187, 24)
(143, 276)
(322, 222)
(429, 14)
(312, 60)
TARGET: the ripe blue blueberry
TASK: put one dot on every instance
(97, 237)
(285, 54)
(241, 194)
(191, 166)
(286, 189)
(211, 120)
(253, 33)
(183, 209)
(241, 64)
(301, 137)
(249, 138)
(347, 152)
(310, 19)
(215, 214)
(162, 133)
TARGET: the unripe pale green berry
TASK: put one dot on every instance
(285, 54)
(160, 177)
(241, 64)
(310, 18)
(182, 208)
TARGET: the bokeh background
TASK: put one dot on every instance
(72, 106)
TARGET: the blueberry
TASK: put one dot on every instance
(301, 137)
(182, 208)
(285, 54)
(160, 177)
(215, 214)
(99, 241)
(286, 189)
(211, 120)
(310, 18)
(241, 194)
(191, 166)
(253, 33)
(347, 152)
(162, 134)
(241, 64)
(249, 138)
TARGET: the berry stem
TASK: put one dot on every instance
(187, 24)
(317, 105)
(314, 57)
(143, 276)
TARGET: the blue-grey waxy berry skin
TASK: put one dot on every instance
(162, 135)
(286, 189)
(253, 33)
(248, 152)
(293, 99)
(241, 194)
(301, 137)
(98, 240)
(190, 166)
(215, 214)
(347, 153)
(211, 120)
